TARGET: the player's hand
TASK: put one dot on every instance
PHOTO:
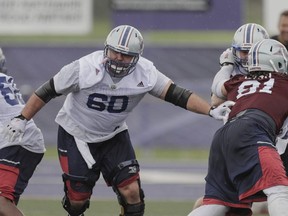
(15, 129)
(226, 58)
(222, 111)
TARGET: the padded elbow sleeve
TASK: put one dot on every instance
(177, 95)
(47, 91)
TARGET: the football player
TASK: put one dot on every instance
(18, 159)
(233, 61)
(101, 89)
(243, 154)
(243, 39)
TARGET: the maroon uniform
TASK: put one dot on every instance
(274, 97)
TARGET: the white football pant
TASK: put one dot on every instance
(209, 210)
(277, 198)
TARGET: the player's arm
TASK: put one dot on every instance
(39, 98)
(191, 101)
(65, 81)
(216, 101)
(226, 62)
(165, 89)
(223, 91)
(220, 78)
(185, 98)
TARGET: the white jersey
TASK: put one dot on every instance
(11, 105)
(97, 106)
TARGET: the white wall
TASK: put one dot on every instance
(271, 12)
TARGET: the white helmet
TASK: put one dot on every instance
(244, 38)
(3, 69)
(268, 55)
(126, 40)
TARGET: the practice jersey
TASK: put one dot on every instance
(96, 105)
(268, 94)
(11, 105)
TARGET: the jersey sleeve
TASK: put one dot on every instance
(161, 82)
(67, 79)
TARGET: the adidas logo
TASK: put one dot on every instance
(140, 84)
(132, 169)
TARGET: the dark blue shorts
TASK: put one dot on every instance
(17, 166)
(243, 161)
(108, 155)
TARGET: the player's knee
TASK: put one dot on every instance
(74, 204)
(126, 185)
(131, 192)
(131, 199)
(75, 208)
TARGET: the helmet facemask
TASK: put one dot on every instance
(241, 57)
(116, 68)
(127, 41)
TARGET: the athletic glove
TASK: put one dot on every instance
(15, 129)
(220, 112)
(226, 58)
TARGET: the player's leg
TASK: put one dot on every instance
(231, 211)
(273, 181)
(124, 177)
(78, 179)
(210, 210)
(277, 198)
(130, 196)
(17, 166)
(260, 208)
(7, 208)
(75, 202)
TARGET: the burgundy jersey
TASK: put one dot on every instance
(268, 94)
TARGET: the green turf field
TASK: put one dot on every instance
(103, 208)
(32, 207)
